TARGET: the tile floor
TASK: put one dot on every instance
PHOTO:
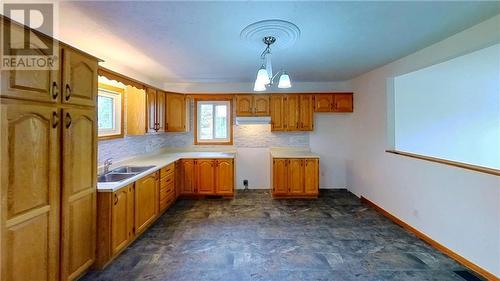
(253, 237)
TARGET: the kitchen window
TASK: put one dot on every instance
(109, 112)
(213, 122)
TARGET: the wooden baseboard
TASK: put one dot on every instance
(484, 273)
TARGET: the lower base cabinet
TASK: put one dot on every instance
(124, 214)
(206, 177)
(296, 177)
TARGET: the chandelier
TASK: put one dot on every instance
(265, 78)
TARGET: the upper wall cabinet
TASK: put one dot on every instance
(177, 113)
(155, 112)
(292, 112)
(252, 105)
(338, 102)
(79, 78)
(136, 114)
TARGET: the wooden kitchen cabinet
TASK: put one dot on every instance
(136, 111)
(311, 176)
(252, 105)
(167, 186)
(323, 102)
(155, 113)
(343, 103)
(306, 112)
(295, 177)
(30, 191)
(79, 168)
(261, 105)
(177, 112)
(79, 78)
(280, 176)
(244, 105)
(334, 102)
(205, 174)
(187, 186)
(146, 201)
(115, 223)
(278, 112)
(224, 177)
(49, 155)
(292, 113)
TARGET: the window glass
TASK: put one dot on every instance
(213, 121)
(105, 112)
(109, 111)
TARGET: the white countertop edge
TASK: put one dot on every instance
(159, 161)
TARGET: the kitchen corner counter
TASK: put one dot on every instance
(159, 161)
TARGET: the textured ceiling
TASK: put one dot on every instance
(200, 41)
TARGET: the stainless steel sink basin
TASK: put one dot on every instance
(131, 169)
(114, 177)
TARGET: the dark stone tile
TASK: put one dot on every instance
(253, 237)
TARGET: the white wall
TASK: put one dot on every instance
(433, 106)
(458, 208)
(331, 140)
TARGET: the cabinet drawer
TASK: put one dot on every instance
(167, 191)
(165, 171)
(169, 179)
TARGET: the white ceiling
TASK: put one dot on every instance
(200, 41)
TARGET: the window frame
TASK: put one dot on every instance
(214, 99)
(120, 92)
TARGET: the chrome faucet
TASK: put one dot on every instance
(107, 164)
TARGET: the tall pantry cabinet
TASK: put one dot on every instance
(48, 161)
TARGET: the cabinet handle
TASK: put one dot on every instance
(68, 120)
(54, 90)
(68, 92)
(55, 119)
(116, 200)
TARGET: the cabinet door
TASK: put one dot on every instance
(206, 176)
(188, 177)
(136, 111)
(79, 77)
(151, 110)
(306, 113)
(278, 113)
(311, 176)
(146, 201)
(29, 192)
(296, 176)
(261, 105)
(160, 110)
(323, 102)
(178, 179)
(176, 113)
(292, 113)
(244, 105)
(224, 177)
(78, 191)
(343, 103)
(119, 220)
(280, 177)
(36, 85)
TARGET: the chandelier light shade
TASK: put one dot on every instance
(262, 77)
(259, 87)
(284, 81)
(265, 78)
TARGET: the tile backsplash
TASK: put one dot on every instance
(248, 136)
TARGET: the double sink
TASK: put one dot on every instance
(122, 173)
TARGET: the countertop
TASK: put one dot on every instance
(159, 161)
(292, 153)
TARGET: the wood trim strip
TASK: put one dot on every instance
(424, 237)
(448, 162)
(112, 75)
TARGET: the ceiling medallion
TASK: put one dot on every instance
(285, 33)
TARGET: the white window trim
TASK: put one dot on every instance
(117, 116)
(228, 129)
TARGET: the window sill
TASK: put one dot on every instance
(110, 137)
(480, 169)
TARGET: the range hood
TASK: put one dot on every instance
(250, 120)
